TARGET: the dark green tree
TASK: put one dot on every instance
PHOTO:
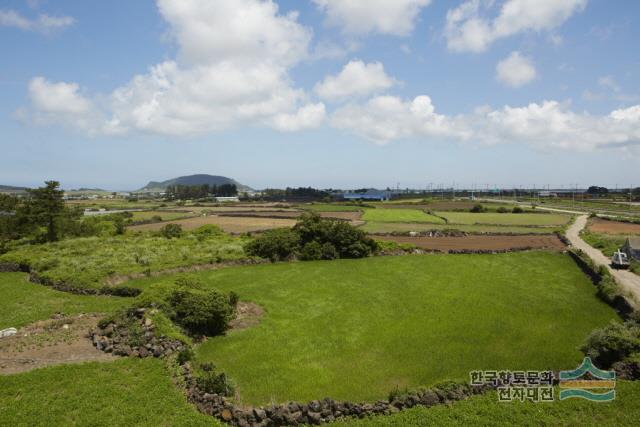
(46, 208)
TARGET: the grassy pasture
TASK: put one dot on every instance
(24, 302)
(122, 393)
(522, 219)
(356, 329)
(331, 207)
(403, 227)
(88, 261)
(485, 410)
(399, 215)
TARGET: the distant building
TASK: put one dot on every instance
(368, 195)
(226, 199)
(632, 248)
(547, 194)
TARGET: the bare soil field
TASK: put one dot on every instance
(50, 342)
(482, 242)
(603, 226)
(229, 224)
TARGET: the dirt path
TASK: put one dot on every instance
(50, 342)
(629, 282)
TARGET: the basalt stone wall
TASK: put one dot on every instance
(319, 411)
(120, 340)
(11, 267)
(59, 285)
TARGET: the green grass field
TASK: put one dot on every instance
(399, 215)
(607, 243)
(331, 207)
(166, 216)
(88, 261)
(404, 227)
(356, 329)
(485, 410)
(522, 219)
(24, 302)
(123, 393)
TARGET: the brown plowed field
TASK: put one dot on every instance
(482, 242)
(230, 224)
(612, 227)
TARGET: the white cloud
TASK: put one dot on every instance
(468, 30)
(546, 125)
(308, 117)
(43, 24)
(515, 70)
(608, 82)
(396, 17)
(232, 69)
(355, 79)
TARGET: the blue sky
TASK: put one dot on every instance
(324, 93)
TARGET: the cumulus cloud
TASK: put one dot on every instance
(469, 30)
(232, 68)
(515, 70)
(357, 17)
(43, 23)
(355, 79)
(545, 125)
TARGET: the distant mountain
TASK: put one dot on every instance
(199, 179)
(12, 189)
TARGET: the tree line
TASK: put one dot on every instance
(203, 191)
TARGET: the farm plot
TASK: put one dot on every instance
(480, 242)
(405, 227)
(603, 226)
(227, 223)
(347, 216)
(357, 329)
(163, 215)
(521, 219)
(400, 215)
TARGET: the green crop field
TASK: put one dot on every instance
(356, 329)
(126, 392)
(404, 227)
(487, 411)
(521, 219)
(86, 262)
(400, 215)
(24, 302)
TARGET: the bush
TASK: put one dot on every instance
(477, 209)
(208, 230)
(612, 343)
(171, 230)
(502, 209)
(199, 310)
(276, 245)
(316, 251)
(213, 383)
(517, 210)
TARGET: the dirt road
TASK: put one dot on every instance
(629, 282)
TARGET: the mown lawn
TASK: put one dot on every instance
(24, 302)
(356, 329)
(403, 227)
(485, 410)
(400, 215)
(505, 218)
(123, 393)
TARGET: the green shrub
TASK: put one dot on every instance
(200, 310)
(209, 381)
(277, 245)
(477, 209)
(517, 210)
(502, 209)
(185, 355)
(171, 231)
(612, 343)
(208, 230)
